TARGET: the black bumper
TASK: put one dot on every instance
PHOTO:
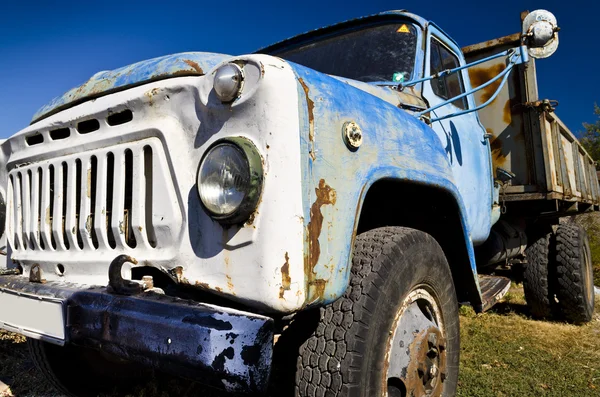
(217, 346)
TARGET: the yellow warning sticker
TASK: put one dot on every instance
(403, 29)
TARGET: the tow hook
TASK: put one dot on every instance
(116, 283)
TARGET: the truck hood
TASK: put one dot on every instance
(106, 82)
(409, 99)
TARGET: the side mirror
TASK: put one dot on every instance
(540, 33)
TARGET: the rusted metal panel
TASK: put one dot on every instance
(102, 83)
(566, 184)
(529, 140)
(493, 288)
(559, 169)
(503, 118)
(548, 134)
(513, 40)
(221, 347)
(395, 145)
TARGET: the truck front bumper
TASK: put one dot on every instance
(217, 346)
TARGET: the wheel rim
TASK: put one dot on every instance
(415, 358)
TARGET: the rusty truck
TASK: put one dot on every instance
(303, 220)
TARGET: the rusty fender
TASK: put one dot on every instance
(217, 346)
(336, 178)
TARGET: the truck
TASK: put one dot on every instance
(303, 220)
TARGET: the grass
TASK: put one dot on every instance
(506, 353)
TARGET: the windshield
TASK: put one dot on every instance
(371, 54)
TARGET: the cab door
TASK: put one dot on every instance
(463, 136)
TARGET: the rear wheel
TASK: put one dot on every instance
(396, 328)
(77, 371)
(538, 273)
(575, 280)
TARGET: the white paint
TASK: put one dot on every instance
(32, 316)
(179, 120)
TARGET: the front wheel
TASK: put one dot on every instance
(80, 372)
(395, 331)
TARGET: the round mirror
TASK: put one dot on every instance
(540, 33)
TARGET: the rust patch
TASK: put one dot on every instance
(286, 280)
(229, 284)
(202, 285)
(194, 66)
(498, 155)
(177, 272)
(506, 114)
(35, 274)
(480, 76)
(326, 195)
(311, 119)
(219, 289)
(89, 182)
(150, 95)
(319, 285)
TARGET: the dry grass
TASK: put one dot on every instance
(506, 353)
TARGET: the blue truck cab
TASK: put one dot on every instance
(303, 220)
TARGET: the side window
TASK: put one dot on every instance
(449, 86)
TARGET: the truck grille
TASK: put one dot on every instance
(96, 200)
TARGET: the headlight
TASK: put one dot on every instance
(230, 180)
(228, 82)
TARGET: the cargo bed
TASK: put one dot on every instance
(529, 140)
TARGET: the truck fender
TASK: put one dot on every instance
(336, 178)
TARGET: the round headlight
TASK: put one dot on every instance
(230, 180)
(228, 82)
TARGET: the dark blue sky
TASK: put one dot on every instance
(47, 49)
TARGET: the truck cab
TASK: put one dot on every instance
(279, 221)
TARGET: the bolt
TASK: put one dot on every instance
(433, 352)
(148, 282)
(352, 135)
(433, 371)
(432, 339)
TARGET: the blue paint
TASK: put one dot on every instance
(473, 176)
(395, 145)
(183, 64)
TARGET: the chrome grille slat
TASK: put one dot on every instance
(26, 205)
(101, 201)
(45, 214)
(117, 218)
(85, 215)
(138, 212)
(100, 207)
(57, 215)
(17, 213)
(34, 235)
(70, 215)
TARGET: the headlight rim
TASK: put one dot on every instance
(253, 194)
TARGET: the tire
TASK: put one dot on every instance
(396, 273)
(575, 280)
(540, 269)
(81, 372)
